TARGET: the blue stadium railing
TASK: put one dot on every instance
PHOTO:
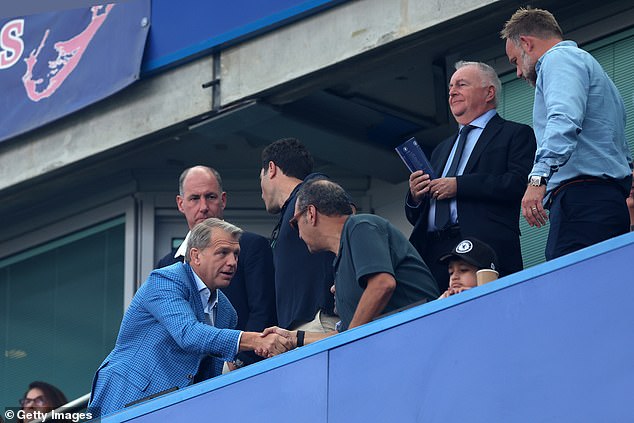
(554, 343)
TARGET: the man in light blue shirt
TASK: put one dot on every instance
(582, 169)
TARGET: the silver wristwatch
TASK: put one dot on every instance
(536, 181)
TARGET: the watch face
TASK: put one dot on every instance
(536, 181)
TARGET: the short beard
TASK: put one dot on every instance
(530, 75)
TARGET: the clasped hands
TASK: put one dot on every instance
(421, 185)
(452, 291)
(274, 341)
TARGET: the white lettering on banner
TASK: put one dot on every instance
(11, 44)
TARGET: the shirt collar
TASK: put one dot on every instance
(207, 297)
(481, 121)
(182, 250)
(564, 43)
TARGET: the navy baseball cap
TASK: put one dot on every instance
(474, 252)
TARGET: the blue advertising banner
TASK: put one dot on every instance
(32, 7)
(186, 29)
(53, 64)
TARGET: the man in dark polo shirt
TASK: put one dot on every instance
(302, 280)
(377, 270)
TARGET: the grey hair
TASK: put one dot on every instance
(181, 179)
(328, 197)
(200, 237)
(489, 76)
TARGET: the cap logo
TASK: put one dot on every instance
(464, 247)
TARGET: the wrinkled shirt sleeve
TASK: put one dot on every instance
(564, 84)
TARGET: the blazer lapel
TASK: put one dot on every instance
(222, 317)
(194, 297)
(488, 134)
(440, 157)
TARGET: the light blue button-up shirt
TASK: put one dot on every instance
(210, 305)
(578, 118)
(208, 298)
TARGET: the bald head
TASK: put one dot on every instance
(200, 195)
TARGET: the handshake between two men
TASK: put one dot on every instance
(274, 340)
(268, 343)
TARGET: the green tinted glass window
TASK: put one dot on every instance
(62, 304)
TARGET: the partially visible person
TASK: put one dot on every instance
(178, 329)
(582, 169)
(377, 271)
(630, 204)
(463, 263)
(252, 289)
(302, 280)
(482, 173)
(40, 397)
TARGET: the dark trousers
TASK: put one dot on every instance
(583, 214)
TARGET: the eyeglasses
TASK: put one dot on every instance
(37, 401)
(293, 221)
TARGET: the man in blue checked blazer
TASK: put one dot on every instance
(252, 289)
(179, 326)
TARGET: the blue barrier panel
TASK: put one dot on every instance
(556, 348)
(301, 384)
(553, 343)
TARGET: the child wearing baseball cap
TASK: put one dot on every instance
(463, 261)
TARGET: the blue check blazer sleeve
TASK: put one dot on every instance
(162, 341)
(170, 302)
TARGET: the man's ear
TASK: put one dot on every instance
(193, 256)
(272, 169)
(490, 97)
(527, 43)
(179, 203)
(311, 215)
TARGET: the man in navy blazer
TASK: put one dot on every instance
(179, 324)
(252, 289)
(482, 197)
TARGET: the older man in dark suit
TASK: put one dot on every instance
(481, 177)
(252, 289)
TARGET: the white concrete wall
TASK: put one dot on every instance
(328, 38)
(249, 68)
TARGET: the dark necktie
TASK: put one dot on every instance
(443, 213)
